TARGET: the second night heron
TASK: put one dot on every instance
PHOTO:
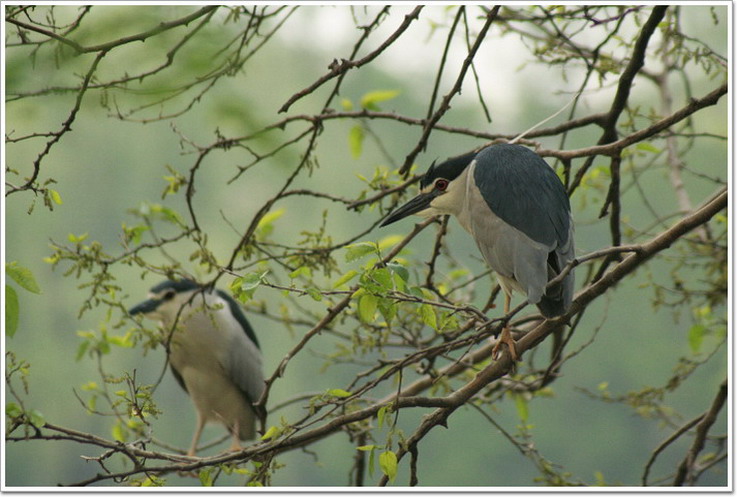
(517, 210)
(213, 353)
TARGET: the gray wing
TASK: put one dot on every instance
(520, 188)
(242, 360)
(244, 367)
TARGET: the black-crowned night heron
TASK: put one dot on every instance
(214, 354)
(517, 210)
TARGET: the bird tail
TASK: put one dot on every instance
(557, 300)
(552, 307)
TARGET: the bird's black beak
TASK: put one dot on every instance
(144, 307)
(417, 204)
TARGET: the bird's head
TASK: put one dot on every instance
(441, 191)
(165, 300)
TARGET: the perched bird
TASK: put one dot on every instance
(517, 210)
(214, 354)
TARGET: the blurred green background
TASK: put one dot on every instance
(107, 166)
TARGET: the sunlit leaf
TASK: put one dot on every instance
(314, 293)
(13, 410)
(696, 337)
(371, 99)
(355, 141)
(383, 277)
(55, 197)
(367, 307)
(428, 315)
(118, 433)
(345, 278)
(205, 477)
(338, 392)
(358, 250)
(36, 418)
(266, 224)
(346, 104)
(12, 311)
(520, 402)
(23, 276)
(301, 271)
(648, 147)
(388, 464)
(272, 432)
(390, 241)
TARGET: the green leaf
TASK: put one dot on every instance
(696, 337)
(361, 249)
(81, 350)
(118, 433)
(205, 477)
(390, 241)
(371, 449)
(134, 233)
(36, 418)
(367, 307)
(520, 403)
(77, 238)
(648, 147)
(388, 464)
(22, 276)
(338, 392)
(266, 224)
(345, 278)
(301, 271)
(383, 277)
(388, 309)
(399, 270)
(428, 316)
(355, 141)
(244, 287)
(314, 293)
(13, 410)
(55, 196)
(381, 414)
(346, 104)
(161, 212)
(12, 311)
(370, 99)
(272, 432)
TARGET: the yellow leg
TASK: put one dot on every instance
(506, 335)
(197, 434)
(235, 446)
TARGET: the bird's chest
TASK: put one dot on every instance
(476, 217)
(200, 344)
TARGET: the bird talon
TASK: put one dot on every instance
(506, 339)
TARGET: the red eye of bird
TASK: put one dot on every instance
(441, 184)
